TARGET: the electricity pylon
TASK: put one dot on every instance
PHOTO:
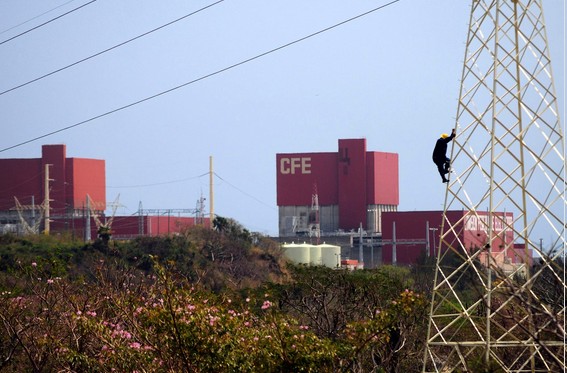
(489, 313)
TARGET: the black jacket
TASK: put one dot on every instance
(440, 151)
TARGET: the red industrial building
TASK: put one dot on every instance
(407, 236)
(23, 186)
(335, 191)
(70, 180)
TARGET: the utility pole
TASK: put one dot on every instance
(394, 248)
(47, 200)
(434, 230)
(33, 211)
(140, 219)
(360, 248)
(427, 247)
(88, 221)
(211, 193)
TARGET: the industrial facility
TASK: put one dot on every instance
(410, 236)
(349, 198)
(58, 194)
(315, 255)
(62, 182)
(328, 193)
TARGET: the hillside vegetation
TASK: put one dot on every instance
(221, 300)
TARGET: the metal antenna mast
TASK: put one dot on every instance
(508, 156)
(314, 218)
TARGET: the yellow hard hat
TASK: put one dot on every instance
(444, 135)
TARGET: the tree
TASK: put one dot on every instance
(370, 312)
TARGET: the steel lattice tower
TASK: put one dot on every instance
(509, 166)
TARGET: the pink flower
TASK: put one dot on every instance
(135, 345)
(267, 304)
(50, 281)
(34, 264)
(213, 320)
(121, 333)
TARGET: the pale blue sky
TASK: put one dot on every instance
(391, 76)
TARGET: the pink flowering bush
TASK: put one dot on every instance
(128, 321)
(150, 325)
(39, 321)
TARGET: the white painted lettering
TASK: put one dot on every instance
(295, 165)
(284, 166)
(305, 165)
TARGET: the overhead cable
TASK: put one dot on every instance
(243, 192)
(109, 49)
(45, 23)
(195, 80)
(31, 19)
(22, 182)
(159, 183)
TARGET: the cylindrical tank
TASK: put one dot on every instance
(314, 255)
(330, 255)
(296, 253)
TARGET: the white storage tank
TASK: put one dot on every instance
(330, 255)
(298, 254)
(315, 258)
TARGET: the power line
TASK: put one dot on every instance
(197, 79)
(159, 183)
(109, 49)
(45, 23)
(23, 182)
(243, 192)
(36, 17)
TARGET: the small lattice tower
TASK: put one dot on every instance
(492, 310)
(314, 225)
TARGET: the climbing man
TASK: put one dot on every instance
(440, 155)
